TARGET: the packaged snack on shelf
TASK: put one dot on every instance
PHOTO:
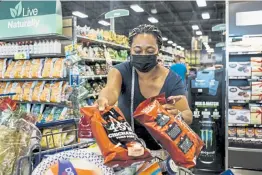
(46, 93)
(28, 91)
(250, 133)
(241, 133)
(256, 72)
(52, 138)
(3, 66)
(36, 68)
(256, 61)
(26, 71)
(258, 134)
(66, 92)
(37, 111)
(256, 93)
(18, 68)
(239, 69)
(57, 114)
(118, 143)
(56, 92)
(239, 92)
(38, 90)
(48, 68)
(2, 87)
(48, 115)
(9, 73)
(256, 114)
(239, 116)
(172, 133)
(58, 68)
(8, 88)
(232, 132)
(18, 89)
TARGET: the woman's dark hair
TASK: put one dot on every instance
(149, 29)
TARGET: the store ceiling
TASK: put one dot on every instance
(175, 17)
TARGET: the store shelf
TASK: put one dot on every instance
(33, 79)
(44, 55)
(56, 123)
(238, 78)
(93, 77)
(111, 44)
(245, 53)
(165, 52)
(244, 149)
(45, 103)
(36, 37)
(246, 125)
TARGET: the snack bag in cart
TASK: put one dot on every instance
(119, 145)
(171, 132)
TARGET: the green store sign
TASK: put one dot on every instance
(29, 18)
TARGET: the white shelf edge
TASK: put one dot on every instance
(93, 76)
(244, 149)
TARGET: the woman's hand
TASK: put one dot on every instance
(101, 103)
(170, 106)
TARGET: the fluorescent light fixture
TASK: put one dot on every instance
(169, 42)
(182, 48)
(154, 11)
(79, 14)
(201, 3)
(137, 8)
(210, 50)
(205, 15)
(164, 39)
(198, 32)
(195, 27)
(104, 23)
(152, 20)
(174, 44)
(179, 47)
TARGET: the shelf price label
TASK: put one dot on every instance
(21, 56)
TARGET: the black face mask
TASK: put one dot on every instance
(144, 63)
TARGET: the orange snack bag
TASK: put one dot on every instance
(46, 93)
(56, 92)
(3, 64)
(38, 91)
(26, 71)
(175, 136)
(18, 68)
(9, 73)
(118, 143)
(28, 91)
(58, 68)
(48, 68)
(17, 87)
(36, 68)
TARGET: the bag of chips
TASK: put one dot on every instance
(3, 65)
(48, 68)
(56, 92)
(38, 90)
(18, 68)
(173, 134)
(58, 68)
(36, 68)
(46, 93)
(9, 73)
(26, 70)
(17, 87)
(118, 143)
(28, 91)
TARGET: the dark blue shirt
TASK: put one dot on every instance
(172, 86)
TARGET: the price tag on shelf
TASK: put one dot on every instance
(200, 90)
(21, 56)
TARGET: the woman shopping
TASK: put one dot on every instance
(132, 82)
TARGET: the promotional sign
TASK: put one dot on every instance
(29, 18)
(219, 27)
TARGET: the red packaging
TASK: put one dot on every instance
(7, 103)
(118, 143)
(84, 131)
(175, 136)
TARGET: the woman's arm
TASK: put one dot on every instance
(109, 95)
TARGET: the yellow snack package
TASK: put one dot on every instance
(10, 70)
(2, 87)
(38, 90)
(8, 88)
(26, 70)
(36, 68)
(18, 68)
(48, 68)
(56, 92)
(58, 68)
(17, 87)
(46, 93)
(28, 91)
(3, 64)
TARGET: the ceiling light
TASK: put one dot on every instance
(198, 32)
(201, 3)
(179, 47)
(210, 50)
(79, 14)
(205, 15)
(136, 8)
(174, 44)
(182, 48)
(104, 23)
(170, 42)
(195, 27)
(164, 39)
(154, 11)
(152, 20)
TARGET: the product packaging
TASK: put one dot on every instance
(38, 90)
(256, 71)
(239, 69)
(258, 134)
(239, 116)
(26, 71)
(256, 61)
(151, 169)
(18, 89)
(46, 93)
(173, 134)
(18, 68)
(36, 68)
(28, 91)
(8, 88)
(56, 92)
(119, 145)
(48, 68)
(256, 114)
(256, 91)
(85, 131)
(239, 93)
(48, 115)
(232, 132)
(37, 111)
(9, 73)
(250, 133)
(58, 68)
(3, 65)
(241, 133)
(2, 87)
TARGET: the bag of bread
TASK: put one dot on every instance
(18, 68)
(119, 145)
(48, 68)
(58, 68)
(171, 132)
(36, 68)
(26, 70)
(18, 89)
(38, 90)
(9, 73)
(28, 91)
(56, 92)
(46, 93)
(3, 65)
